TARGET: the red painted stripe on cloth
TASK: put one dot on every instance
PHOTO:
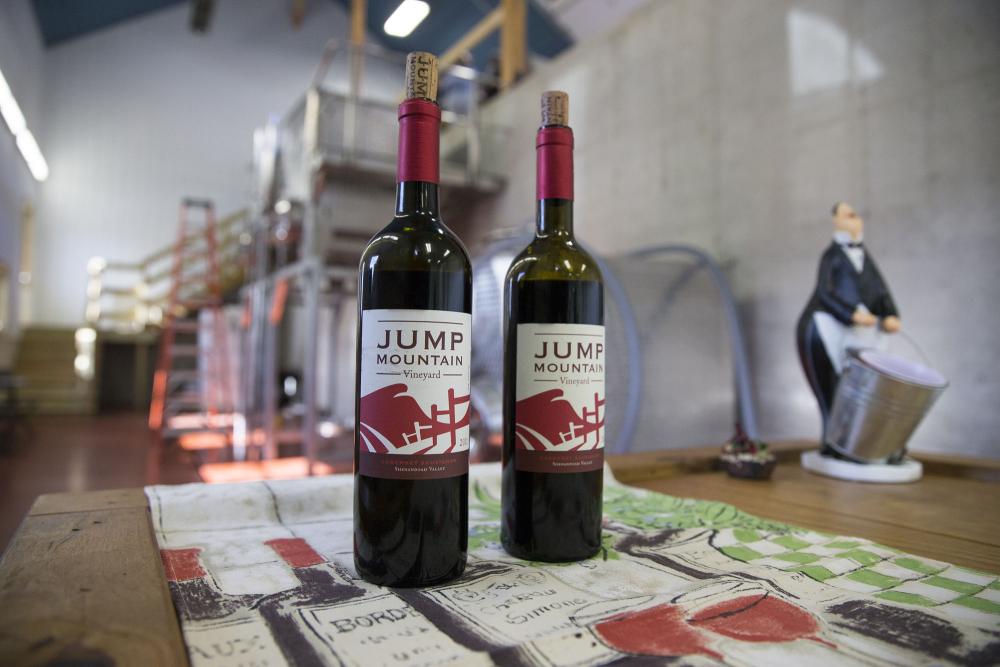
(182, 564)
(296, 551)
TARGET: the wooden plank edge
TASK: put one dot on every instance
(88, 501)
(173, 630)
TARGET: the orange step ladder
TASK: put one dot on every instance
(194, 312)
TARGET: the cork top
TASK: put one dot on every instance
(555, 108)
(421, 76)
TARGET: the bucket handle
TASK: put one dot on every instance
(909, 339)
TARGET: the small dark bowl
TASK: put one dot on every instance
(750, 469)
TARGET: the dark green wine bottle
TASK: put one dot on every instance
(553, 394)
(411, 443)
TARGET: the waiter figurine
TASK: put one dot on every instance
(850, 299)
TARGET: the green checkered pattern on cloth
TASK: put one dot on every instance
(865, 567)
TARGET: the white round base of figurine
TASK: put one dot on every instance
(884, 473)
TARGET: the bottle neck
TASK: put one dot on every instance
(417, 197)
(418, 156)
(554, 181)
(554, 218)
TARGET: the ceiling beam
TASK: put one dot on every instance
(469, 40)
(513, 42)
(359, 14)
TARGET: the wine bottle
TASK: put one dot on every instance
(411, 443)
(553, 394)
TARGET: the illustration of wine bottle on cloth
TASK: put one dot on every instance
(554, 355)
(411, 444)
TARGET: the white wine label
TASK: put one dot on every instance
(559, 410)
(414, 416)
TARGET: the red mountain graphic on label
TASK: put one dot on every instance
(548, 422)
(392, 422)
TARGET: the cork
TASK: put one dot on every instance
(555, 108)
(421, 76)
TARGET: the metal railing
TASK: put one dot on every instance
(348, 122)
(128, 297)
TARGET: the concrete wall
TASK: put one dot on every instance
(21, 60)
(146, 112)
(735, 126)
(588, 18)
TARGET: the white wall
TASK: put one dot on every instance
(21, 60)
(735, 126)
(146, 112)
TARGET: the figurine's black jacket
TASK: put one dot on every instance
(840, 289)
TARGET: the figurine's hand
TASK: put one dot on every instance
(863, 318)
(891, 324)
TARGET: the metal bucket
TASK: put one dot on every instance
(880, 401)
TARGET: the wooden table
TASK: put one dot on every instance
(82, 581)
(952, 514)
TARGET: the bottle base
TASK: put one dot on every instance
(526, 553)
(387, 579)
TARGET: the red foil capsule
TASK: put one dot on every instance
(554, 155)
(419, 136)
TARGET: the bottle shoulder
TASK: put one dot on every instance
(554, 259)
(415, 242)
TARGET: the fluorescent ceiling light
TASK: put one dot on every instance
(406, 18)
(32, 154)
(9, 109)
(26, 143)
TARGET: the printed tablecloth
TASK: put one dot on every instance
(261, 573)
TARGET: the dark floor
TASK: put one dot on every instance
(81, 454)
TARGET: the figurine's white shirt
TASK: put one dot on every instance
(839, 338)
(856, 255)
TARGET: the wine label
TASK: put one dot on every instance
(414, 413)
(559, 409)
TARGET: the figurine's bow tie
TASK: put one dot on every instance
(852, 244)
